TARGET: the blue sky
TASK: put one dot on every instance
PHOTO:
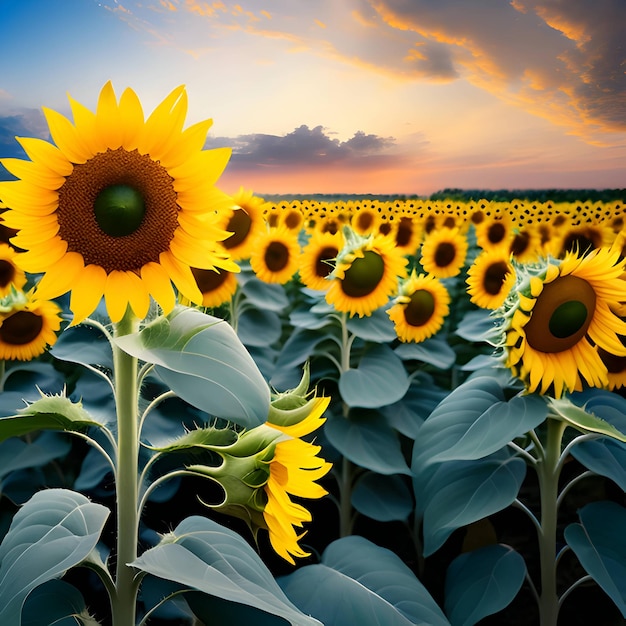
(350, 96)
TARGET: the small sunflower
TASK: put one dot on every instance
(317, 259)
(524, 245)
(616, 369)
(420, 308)
(10, 272)
(494, 231)
(245, 223)
(560, 316)
(276, 255)
(583, 238)
(216, 287)
(294, 470)
(364, 218)
(366, 274)
(118, 207)
(443, 252)
(27, 326)
(490, 278)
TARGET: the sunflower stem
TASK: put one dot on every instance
(124, 601)
(548, 470)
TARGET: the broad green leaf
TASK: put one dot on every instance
(207, 557)
(203, 361)
(213, 610)
(16, 454)
(265, 296)
(383, 498)
(577, 417)
(376, 327)
(259, 328)
(84, 345)
(379, 379)
(27, 377)
(365, 438)
(603, 456)
(54, 531)
(478, 326)
(454, 494)
(56, 602)
(453, 417)
(358, 582)
(49, 412)
(482, 582)
(599, 543)
(434, 351)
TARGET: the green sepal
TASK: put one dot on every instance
(577, 417)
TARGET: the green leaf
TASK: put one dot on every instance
(477, 326)
(379, 379)
(600, 545)
(482, 582)
(56, 602)
(434, 351)
(603, 456)
(376, 327)
(54, 531)
(577, 417)
(84, 345)
(358, 582)
(258, 328)
(382, 498)
(16, 454)
(207, 557)
(366, 439)
(265, 296)
(453, 418)
(203, 361)
(454, 494)
(49, 412)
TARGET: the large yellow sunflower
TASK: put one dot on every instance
(443, 252)
(490, 278)
(560, 316)
(10, 273)
(276, 254)
(293, 471)
(118, 207)
(420, 308)
(317, 259)
(27, 326)
(366, 274)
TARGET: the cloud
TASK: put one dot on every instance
(306, 147)
(19, 123)
(564, 61)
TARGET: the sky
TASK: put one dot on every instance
(345, 96)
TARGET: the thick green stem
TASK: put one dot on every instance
(548, 470)
(125, 599)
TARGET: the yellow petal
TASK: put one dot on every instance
(41, 258)
(27, 198)
(85, 122)
(130, 118)
(61, 276)
(189, 142)
(138, 295)
(181, 276)
(116, 292)
(158, 283)
(66, 137)
(108, 118)
(87, 292)
(206, 166)
(47, 154)
(36, 173)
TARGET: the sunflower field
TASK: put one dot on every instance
(223, 410)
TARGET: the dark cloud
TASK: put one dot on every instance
(308, 147)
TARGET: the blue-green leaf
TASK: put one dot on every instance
(358, 582)
(434, 351)
(85, 345)
(54, 531)
(565, 410)
(376, 327)
(207, 557)
(453, 418)
(16, 454)
(599, 543)
(265, 296)
(379, 379)
(477, 326)
(456, 493)
(366, 439)
(383, 498)
(603, 456)
(203, 361)
(56, 602)
(481, 583)
(259, 328)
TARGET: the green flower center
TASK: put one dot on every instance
(119, 210)
(363, 275)
(21, 328)
(562, 314)
(420, 309)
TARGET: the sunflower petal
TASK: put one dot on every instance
(87, 292)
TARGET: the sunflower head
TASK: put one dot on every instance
(443, 252)
(11, 275)
(119, 206)
(490, 278)
(557, 317)
(276, 255)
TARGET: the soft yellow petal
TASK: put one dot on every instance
(87, 292)
(190, 141)
(181, 276)
(206, 167)
(138, 295)
(108, 118)
(131, 118)
(34, 172)
(85, 122)
(29, 198)
(60, 276)
(116, 292)
(39, 260)
(46, 153)
(158, 283)
(67, 137)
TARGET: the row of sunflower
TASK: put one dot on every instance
(408, 318)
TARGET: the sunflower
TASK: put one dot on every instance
(490, 278)
(560, 316)
(524, 245)
(364, 218)
(365, 275)
(582, 238)
(276, 255)
(217, 287)
(443, 252)
(10, 272)
(119, 207)
(27, 326)
(494, 231)
(420, 308)
(317, 259)
(294, 469)
(245, 223)
(616, 369)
